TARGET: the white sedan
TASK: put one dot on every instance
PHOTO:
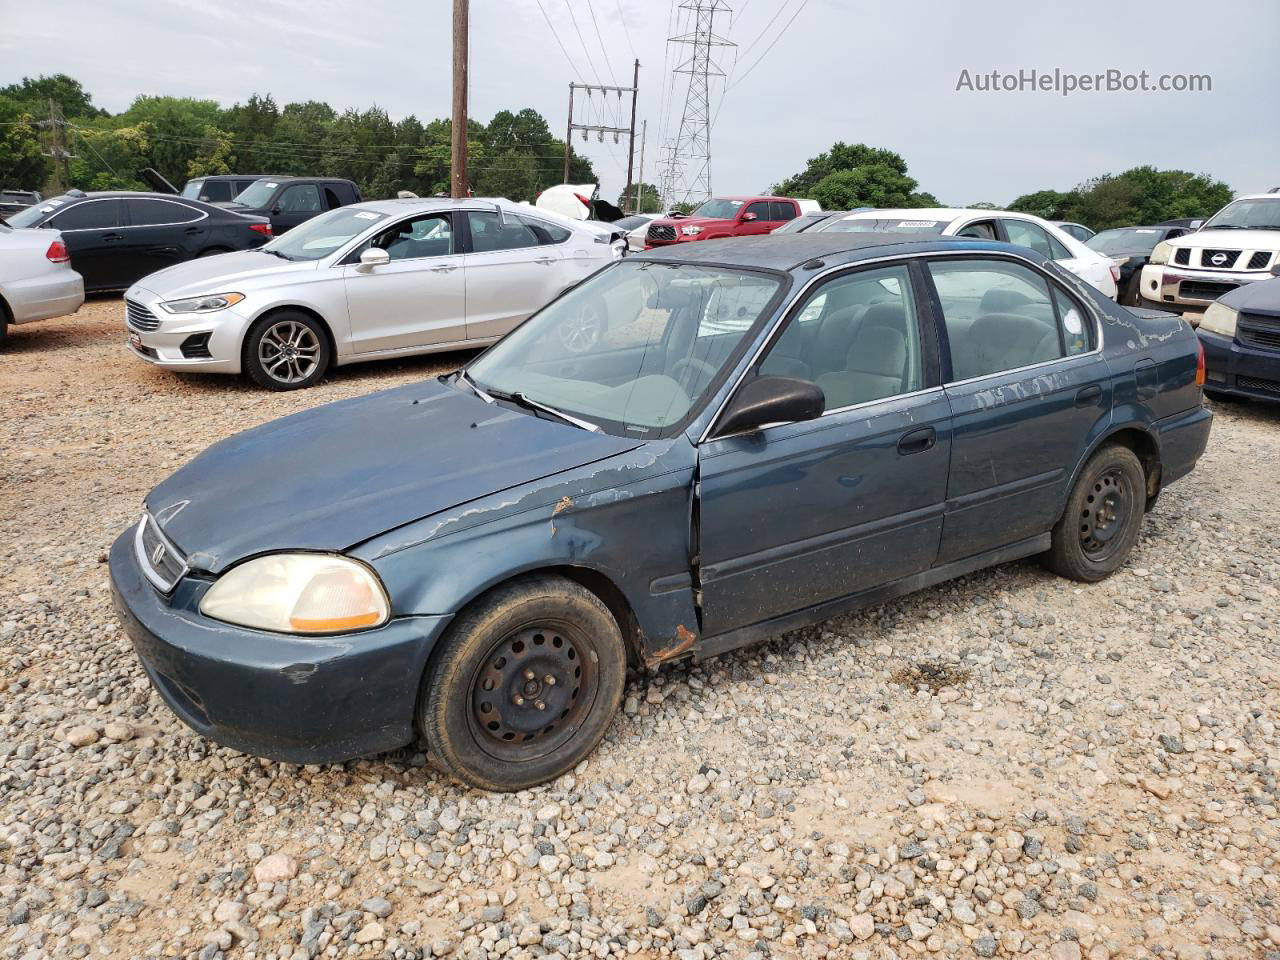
(1093, 268)
(376, 279)
(36, 279)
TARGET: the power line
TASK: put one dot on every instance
(799, 9)
(626, 30)
(759, 36)
(578, 30)
(560, 43)
(603, 49)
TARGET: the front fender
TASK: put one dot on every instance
(626, 519)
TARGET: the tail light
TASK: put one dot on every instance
(1199, 363)
(585, 201)
(1115, 273)
(57, 252)
(262, 228)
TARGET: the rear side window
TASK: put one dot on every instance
(546, 232)
(782, 210)
(514, 233)
(999, 316)
(89, 215)
(1031, 235)
(144, 212)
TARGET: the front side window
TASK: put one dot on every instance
(999, 316)
(856, 337)
(88, 215)
(215, 191)
(320, 236)
(760, 209)
(192, 189)
(635, 348)
(146, 213)
(300, 198)
(426, 236)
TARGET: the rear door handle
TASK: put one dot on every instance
(1088, 396)
(191, 230)
(111, 236)
(444, 268)
(917, 441)
(545, 261)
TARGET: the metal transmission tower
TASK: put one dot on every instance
(668, 173)
(693, 141)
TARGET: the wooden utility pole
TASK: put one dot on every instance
(58, 148)
(458, 165)
(568, 136)
(644, 134)
(631, 143)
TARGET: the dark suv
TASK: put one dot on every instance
(220, 188)
(289, 201)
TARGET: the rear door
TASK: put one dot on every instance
(418, 299)
(1027, 386)
(93, 232)
(160, 233)
(797, 514)
(511, 271)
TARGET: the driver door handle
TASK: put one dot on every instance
(917, 441)
(545, 261)
(444, 268)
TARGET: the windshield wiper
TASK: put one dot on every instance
(462, 375)
(275, 253)
(521, 399)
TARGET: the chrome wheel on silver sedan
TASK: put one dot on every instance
(286, 351)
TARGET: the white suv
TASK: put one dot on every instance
(370, 280)
(1239, 244)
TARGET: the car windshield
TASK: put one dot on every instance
(718, 209)
(632, 350)
(192, 189)
(322, 235)
(1126, 240)
(877, 225)
(30, 216)
(1262, 214)
(257, 193)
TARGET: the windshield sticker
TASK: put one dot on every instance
(272, 185)
(917, 223)
(46, 209)
(363, 215)
(1146, 231)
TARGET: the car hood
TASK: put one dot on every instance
(1230, 239)
(678, 222)
(1262, 296)
(226, 271)
(334, 476)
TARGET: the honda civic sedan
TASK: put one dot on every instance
(767, 432)
(364, 282)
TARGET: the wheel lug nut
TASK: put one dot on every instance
(518, 700)
(540, 705)
(549, 680)
(529, 675)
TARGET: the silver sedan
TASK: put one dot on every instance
(36, 279)
(371, 280)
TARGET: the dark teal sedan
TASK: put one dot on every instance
(692, 450)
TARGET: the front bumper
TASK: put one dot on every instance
(1186, 288)
(222, 334)
(294, 699)
(1238, 370)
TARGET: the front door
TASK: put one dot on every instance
(800, 513)
(511, 272)
(418, 298)
(763, 222)
(1027, 386)
(160, 233)
(295, 204)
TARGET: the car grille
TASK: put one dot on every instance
(139, 317)
(1259, 260)
(1182, 256)
(161, 562)
(660, 233)
(1219, 259)
(1255, 383)
(1258, 331)
(1203, 289)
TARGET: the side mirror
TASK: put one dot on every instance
(771, 400)
(1275, 271)
(275, 211)
(373, 257)
(1197, 224)
(748, 217)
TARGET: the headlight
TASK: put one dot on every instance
(1219, 319)
(1161, 253)
(299, 593)
(691, 231)
(215, 301)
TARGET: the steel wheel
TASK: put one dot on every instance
(1104, 515)
(533, 690)
(289, 352)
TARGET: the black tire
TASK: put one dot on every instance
(212, 252)
(266, 358)
(4, 324)
(1103, 517)
(1133, 291)
(479, 711)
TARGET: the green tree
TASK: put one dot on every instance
(870, 185)
(650, 200)
(1135, 196)
(35, 94)
(23, 164)
(841, 156)
(1047, 204)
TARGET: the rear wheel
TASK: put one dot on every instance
(524, 686)
(4, 324)
(286, 351)
(1103, 517)
(1133, 291)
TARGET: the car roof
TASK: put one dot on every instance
(1269, 195)
(932, 213)
(791, 250)
(245, 176)
(400, 205)
(127, 194)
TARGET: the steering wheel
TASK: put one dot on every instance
(690, 365)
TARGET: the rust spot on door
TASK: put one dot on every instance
(685, 639)
(563, 504)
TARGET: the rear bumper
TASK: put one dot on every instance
(1182, 438)
(1238, 370)
(294, 699)
(41, 298)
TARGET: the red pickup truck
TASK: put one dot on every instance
(723, 217)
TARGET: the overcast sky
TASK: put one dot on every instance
(807, 73)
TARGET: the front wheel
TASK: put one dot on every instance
(286, 351)
(1103, 517)
(524, 686)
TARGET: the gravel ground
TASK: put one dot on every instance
(1008, 764)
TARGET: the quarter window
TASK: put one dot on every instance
(146, 213)
(998, 315)
(856, 337)
(427, 236)
(89, 215)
